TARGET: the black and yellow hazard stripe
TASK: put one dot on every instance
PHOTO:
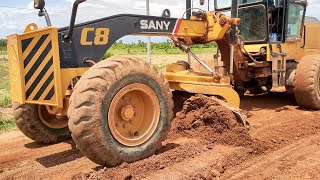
(37, 58)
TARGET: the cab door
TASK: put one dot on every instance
(295, 16)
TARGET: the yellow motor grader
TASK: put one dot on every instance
(120, 109)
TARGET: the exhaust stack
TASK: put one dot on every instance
(188, 9)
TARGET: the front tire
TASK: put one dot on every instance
(34, 122)
(307, 82)
(120, 111)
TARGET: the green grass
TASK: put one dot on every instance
(140, 48)
(6, 124)
(143, 51)
(5, 97)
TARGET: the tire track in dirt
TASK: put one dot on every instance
(290, 131)
(20, 157)
(299, 160)
(187, 168)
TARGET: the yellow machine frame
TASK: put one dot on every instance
(213, 27)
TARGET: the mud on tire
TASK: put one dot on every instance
(90, 102)
(307, 82)
(28, 121)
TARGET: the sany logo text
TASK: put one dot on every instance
(155, 25)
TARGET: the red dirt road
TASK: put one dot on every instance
(288, 136)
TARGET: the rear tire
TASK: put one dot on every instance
(259, 90)
(290, 75)
(240, 92)
(92, 100)
(28, 121)
(307, 82)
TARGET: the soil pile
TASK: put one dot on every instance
(205, 118)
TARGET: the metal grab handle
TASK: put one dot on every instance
(73, 18)
(79, 1)
(166, 13)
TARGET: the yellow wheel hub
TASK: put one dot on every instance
(127, 113)
(134, 114)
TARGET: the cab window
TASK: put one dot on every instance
(253, 27)
(253, 23)
(295, 18)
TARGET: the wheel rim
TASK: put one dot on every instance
(134, 114)
(51, 120)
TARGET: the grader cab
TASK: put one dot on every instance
(119, 110)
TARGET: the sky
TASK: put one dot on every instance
(16, 14)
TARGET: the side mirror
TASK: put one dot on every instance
(39, 4)
(202, 2)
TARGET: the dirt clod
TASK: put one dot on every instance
(215, 173)
(126, 175)
(220, 168)
(206, 175)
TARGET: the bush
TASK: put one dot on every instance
(5, 99)
(3, 45)
(107, 55)
(6, 124)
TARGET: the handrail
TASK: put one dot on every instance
(73, 19)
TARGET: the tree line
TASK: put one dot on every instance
(156, 45)
(140, 44)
